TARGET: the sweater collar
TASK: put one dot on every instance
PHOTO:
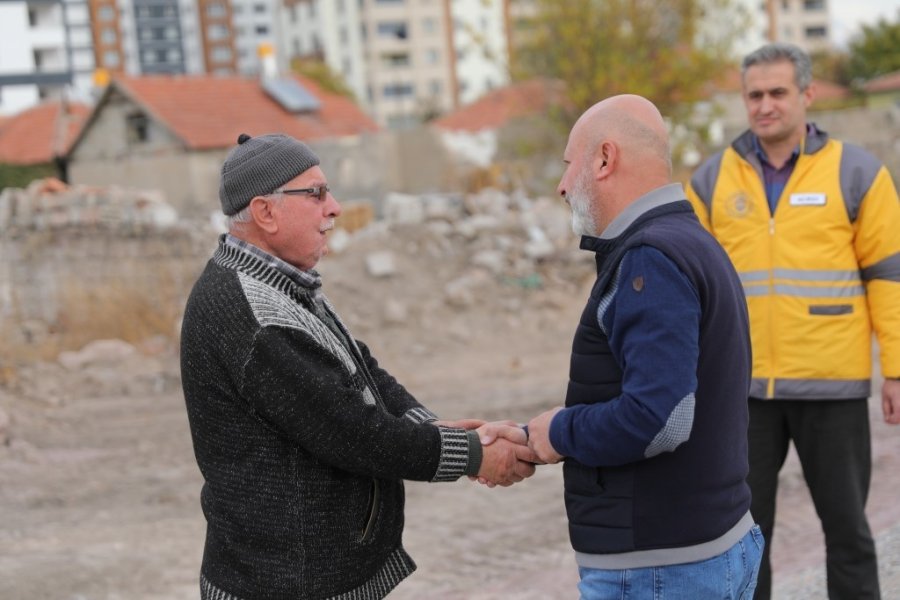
(661, 196)
(666, 194)
(310, 280)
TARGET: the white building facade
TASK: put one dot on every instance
(45, 47)
(805, 23)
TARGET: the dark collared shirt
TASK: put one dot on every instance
(775, 180)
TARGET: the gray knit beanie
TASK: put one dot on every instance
(258, 166)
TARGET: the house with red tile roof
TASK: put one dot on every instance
(34, 142)
(478, 134)
(172, 133)
(472, 132)
(883, 90)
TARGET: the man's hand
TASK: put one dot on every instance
(504, 462)
(539, 437)
(890, 401)
(460, 423)
(509, 430)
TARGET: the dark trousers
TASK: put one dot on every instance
(834, 446)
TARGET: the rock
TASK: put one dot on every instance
(98, 351)
(492, 260)
(536, 250)
(476, 225)
(441, 208)
(460, 292)
(395, 312)
(403, 208)
(381, 264)
(338, 240)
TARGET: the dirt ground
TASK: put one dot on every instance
(99, 491)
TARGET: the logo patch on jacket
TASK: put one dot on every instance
(808, 199)
(738, 205)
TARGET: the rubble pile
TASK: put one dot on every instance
(457, 264)
(49, 204)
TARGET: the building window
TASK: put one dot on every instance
(111, 59)
(396, 59)
(432, 56)
(816, 32)
(394, 29)
(137, 127)
(106, 13)
(429, 25)
(32, 17)
(108, 35)
(221, 53)
(812, 5)
(259, 8)
(173, 55)
(435, 87)
(343, 35)
(217, 32)
(398, 90)
(390, 1)
(216, 9)
(262, 30)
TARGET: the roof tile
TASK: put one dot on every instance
(37, 134)
(496, 108)
(208, 112)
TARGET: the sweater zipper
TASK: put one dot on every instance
(770, 385)
(374, 499)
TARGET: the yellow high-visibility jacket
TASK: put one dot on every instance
(820, 273)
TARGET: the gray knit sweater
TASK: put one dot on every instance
(302, 439)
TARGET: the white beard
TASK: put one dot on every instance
(583, 221)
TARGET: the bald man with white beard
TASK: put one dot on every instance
(653, 433)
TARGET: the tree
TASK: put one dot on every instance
(876, 49)
(319, 71)
(666, 50)
(831, 65)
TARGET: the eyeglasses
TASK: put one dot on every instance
(319, 192)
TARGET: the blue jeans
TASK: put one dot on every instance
(728, 576)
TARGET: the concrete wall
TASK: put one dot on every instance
(109, 155)
(363, 167)
(83, 263)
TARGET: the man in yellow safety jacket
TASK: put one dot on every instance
(812, 226)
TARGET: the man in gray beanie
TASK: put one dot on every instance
(302, 439)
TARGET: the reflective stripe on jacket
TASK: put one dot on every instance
(820, 273)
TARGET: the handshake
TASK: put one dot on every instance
(510, 451)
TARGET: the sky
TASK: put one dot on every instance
(848, 15)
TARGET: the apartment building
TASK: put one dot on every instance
(51, 47)
(43, 47)
(405, 60)
(805, 23)
(329, 30)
